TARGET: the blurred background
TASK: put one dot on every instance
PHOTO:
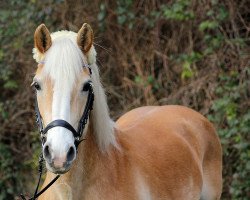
(150, 52)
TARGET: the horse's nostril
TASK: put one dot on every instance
(47, 153)
(71, 154)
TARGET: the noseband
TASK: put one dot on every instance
(61, 123)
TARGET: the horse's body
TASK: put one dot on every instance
(154, 152)
(168, 152)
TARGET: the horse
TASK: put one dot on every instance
(151, 152)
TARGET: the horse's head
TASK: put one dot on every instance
(62, 84)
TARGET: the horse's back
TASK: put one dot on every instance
(176, 144)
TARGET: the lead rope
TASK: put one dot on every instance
(40, 169)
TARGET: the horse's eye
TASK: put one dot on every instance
(85, 87)
(37, 86)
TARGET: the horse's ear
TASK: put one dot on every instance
(85, 37)
(42, 39)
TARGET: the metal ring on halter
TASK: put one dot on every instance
(42, 62)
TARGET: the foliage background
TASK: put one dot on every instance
(155, 52)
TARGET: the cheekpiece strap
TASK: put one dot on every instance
(38, 117)
(88, 107)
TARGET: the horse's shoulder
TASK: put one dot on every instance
(164, 125)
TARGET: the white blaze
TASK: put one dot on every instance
(63, 63)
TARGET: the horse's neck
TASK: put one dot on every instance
(87, 168)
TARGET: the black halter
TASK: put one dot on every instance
(61, 123)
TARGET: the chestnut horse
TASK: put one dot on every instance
(152, 152)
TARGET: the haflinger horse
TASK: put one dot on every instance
(151, 152)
